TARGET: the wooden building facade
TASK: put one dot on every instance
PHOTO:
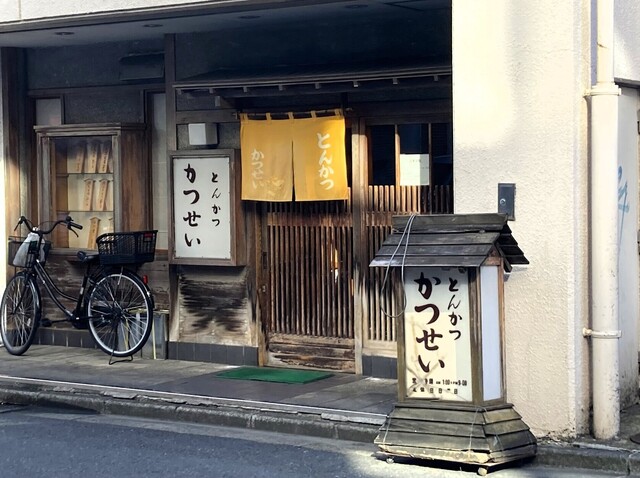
(312, 300)
(414, 79)
(298, 291)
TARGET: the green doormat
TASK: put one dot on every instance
(279, 375)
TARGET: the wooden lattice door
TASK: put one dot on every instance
(307, 279)
(320, 297)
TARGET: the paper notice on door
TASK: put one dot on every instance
(414, 170)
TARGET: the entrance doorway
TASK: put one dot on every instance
(307, 256)
(320, 296)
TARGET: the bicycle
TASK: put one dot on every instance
(113, 302)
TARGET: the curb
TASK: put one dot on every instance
(296, 422)
(590, 457)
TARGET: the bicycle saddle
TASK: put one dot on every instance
(86, 256)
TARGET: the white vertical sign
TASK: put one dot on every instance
(437, 334)
(491, 341)
(202, 207)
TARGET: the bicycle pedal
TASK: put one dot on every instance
(45, 323)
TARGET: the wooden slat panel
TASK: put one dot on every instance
(460, 441)
(383, 203)
(459, 222)
(511, 441)
(295, 274)
(501, 415)
(510, 426)
(436, 250)
(514, 453)
(304, 280)
(204, 315)
(467, 456)
(432, 424)
(429, 261)
(306, 349)
(438, 239)
(312, 352)
(273, 276)
(436, 428)
(322, 251)
(434, 415)
(489, 459)
(448, 442)
(417, 410)
(311, 360)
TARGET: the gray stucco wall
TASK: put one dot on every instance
(86, 66)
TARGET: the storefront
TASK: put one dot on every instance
(277, 281)
(509, 89)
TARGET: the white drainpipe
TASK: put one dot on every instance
(605, 330)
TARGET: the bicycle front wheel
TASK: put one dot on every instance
(120, 313)
(19, 314)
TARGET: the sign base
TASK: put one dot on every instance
(485, 436)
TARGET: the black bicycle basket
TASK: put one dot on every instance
(30, 253)
(127, 247)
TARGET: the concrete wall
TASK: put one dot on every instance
(79, 65)
(627, 44)
(628, 244)
(519, 77)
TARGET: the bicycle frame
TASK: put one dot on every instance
(54, 292)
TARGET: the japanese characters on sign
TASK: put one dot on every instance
(202, 207)
(267, 174)
(303, 154)
(319, 159)
(437, 334)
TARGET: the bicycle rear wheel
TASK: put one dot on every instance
(120, 313)
(19, 313)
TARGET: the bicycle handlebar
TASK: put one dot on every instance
(67, 221)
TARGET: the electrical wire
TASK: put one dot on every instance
(406, 234)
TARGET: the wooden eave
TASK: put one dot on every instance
(315, 77)
(450, 240)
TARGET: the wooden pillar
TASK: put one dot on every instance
(10, 141)
(358, 198)
(172, 145)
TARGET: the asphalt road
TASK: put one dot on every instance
(52, 443)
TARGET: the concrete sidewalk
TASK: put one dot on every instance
(343, 406)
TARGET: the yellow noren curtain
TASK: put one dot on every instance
(319, 159)
(308, 152)
(267, 173)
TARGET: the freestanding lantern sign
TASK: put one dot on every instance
(451, 387)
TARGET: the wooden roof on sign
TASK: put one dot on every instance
(449, 240)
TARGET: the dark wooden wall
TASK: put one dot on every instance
(213, 305)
